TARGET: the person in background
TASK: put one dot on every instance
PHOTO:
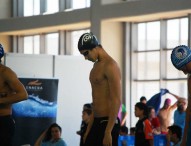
(123, 131)
(143, 128)
(166, 112)
(51, 137)
(122, 114)
(181, 59)
(11, 91)
(174, 135)
(154, 121)
(85, 106)
(86, 116)
(143, 99)
(180, 113)
(132, 131)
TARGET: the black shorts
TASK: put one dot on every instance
(7, 128)
(96, 134)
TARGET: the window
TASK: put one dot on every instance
(147, 40)
(177, 32)
(77, 4)
(52, 6)
(32, 44)
(153, 63)
(148, 65)
(51, 43)
(152, 68)
(31, 7)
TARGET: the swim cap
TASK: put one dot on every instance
(1, 51)
(181, 55)
(167, 101)
(87, 41)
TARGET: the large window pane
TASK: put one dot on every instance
(149, 36)
(28, 45)
(75, 35)
(77, 4)
(148, 65)
(31, 7)
(184, 31)
(141, 36)
(177, 32)
(147, 89)
(36, 44)
(171, 71)
(52, 43)
(153, 36)
(52, 6)
(178, 87)
(31, 45)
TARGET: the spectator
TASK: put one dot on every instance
(154, 121)
(86, 115)
(51, 136)
(122, 114)
(123, 131)
(165, 114)
(143, 129)
(132, 131)
(174, 135)
(180, 113)
(143, 99)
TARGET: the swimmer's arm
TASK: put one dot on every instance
(18, 92)
(176, 96)
(114, 80)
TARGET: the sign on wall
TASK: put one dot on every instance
(35, 114)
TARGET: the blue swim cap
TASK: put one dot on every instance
(1, 51)
(181, 55)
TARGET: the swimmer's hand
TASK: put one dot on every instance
(107, 140)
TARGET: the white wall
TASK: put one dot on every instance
(73, 91)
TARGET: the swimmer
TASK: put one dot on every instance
(181, 59)
(105, 79)
(11, 91)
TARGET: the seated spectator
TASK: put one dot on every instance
(174, 135)
(51, 136)
(154, 121)
(143, 99)
(143, 129)
(123, 131)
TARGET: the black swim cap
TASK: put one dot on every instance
(87, 41)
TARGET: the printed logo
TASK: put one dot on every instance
(181, 52)
(86, 38)
(34, 86)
